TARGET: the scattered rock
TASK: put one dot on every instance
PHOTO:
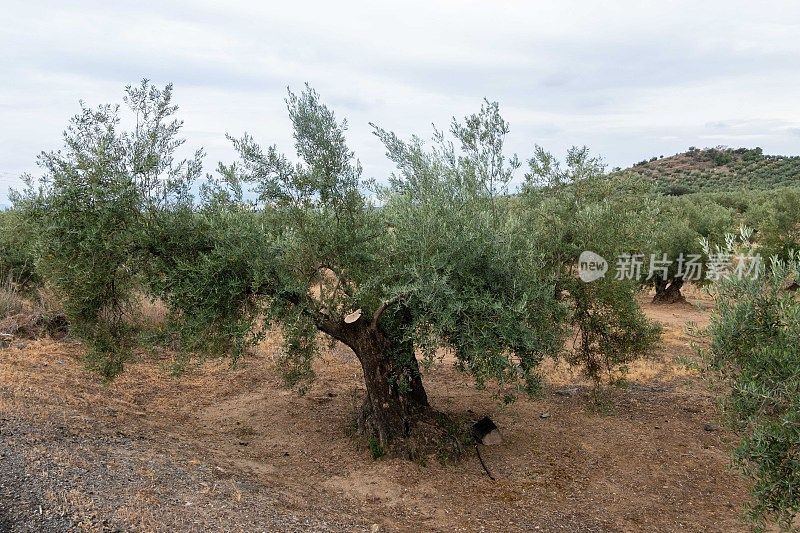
(544, 415)
(6, 339)
(710, 427)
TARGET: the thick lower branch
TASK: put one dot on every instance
(382, 309)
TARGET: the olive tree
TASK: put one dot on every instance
(675, 227)
(95, 205)
(18, 250)
(432, 261)
(775, 218)
(437, 263)
(576, 207)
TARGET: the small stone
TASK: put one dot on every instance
(710, 427)
(375, 528)
(544, 415)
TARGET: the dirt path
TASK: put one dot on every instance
(223, 449)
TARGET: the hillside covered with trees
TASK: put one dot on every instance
(719, 169)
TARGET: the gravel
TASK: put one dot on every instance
(56, 477)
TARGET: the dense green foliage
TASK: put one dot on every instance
(93, 210)
(719, 169)
(776, 220)
(18, 251)
(458, 259)
(575, 208)
(754, 332)
(673, 227)
(774, 216)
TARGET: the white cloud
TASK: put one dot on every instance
(629, 79)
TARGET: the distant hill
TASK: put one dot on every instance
(719, 169)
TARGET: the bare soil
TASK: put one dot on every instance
(231, 449)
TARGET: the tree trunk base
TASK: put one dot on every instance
(389, 423)
(417, 436)
(395, 416)
(669, 298)
(669, 294)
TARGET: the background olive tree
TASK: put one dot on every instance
(775, 217)
(575, 207)
(675, 227)
(94, 207)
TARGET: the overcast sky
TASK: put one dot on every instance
(629, 79)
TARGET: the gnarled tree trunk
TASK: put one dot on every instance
(395, 395)
(668, 291)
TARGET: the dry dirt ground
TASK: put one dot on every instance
(230, 449)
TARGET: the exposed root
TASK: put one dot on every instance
(424, 435)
